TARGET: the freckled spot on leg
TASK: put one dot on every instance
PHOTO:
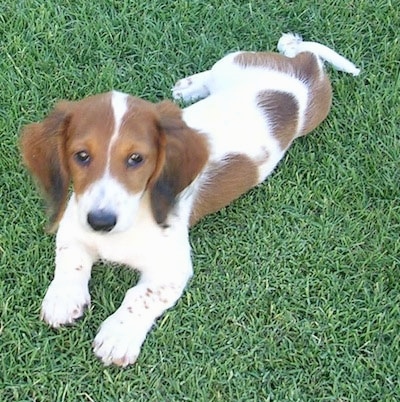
(130, 309)
(149, 292)
(146, 306)
(79, 268)
(162, 298)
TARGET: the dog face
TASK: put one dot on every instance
(112, 159)
(113, 148)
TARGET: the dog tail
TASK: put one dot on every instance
(291, 44)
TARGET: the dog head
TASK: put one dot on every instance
(113, 148)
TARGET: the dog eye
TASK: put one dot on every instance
(82, 157)
(134, 160)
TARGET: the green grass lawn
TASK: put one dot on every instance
(296, 293)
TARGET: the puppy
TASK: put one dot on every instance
(143, 173)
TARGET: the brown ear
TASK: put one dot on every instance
(42, 146)
(185, 154)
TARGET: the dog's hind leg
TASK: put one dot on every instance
(192, 88)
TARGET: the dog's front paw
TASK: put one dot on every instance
(64, 302)
(119, 339)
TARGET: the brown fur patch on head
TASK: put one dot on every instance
(43, 152)
(139, 135)
(171, 154)
(49, 148)
(186, 152)
(90, 130)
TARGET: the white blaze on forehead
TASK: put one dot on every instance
(119, 106)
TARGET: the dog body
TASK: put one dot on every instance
(143, 173)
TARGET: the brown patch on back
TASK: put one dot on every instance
(318, 107)
(226, 181)
(270, 60)
(306, 68)
(282, 112)
(320, 90)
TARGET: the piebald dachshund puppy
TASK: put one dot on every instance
(143, 173)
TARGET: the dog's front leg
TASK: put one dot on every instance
(121, 335)
(68, 294)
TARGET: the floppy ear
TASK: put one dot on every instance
(43, 149)
(183, 153)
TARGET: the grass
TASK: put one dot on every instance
(296, 294)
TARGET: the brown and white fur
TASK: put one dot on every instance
(143, 173)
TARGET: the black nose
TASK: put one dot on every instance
(102, 221)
